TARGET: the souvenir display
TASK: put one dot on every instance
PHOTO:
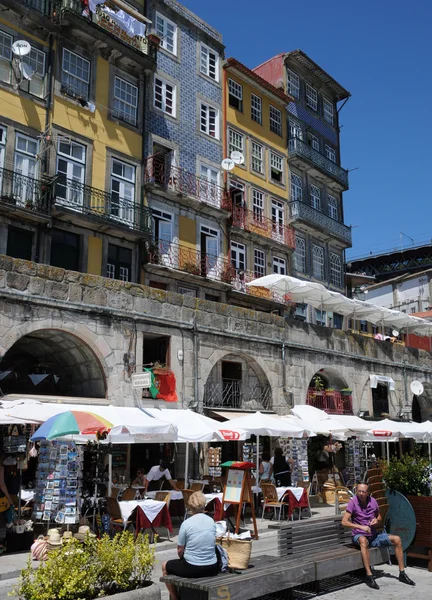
(58, 482)
(354, 459)
(214, 461)
(297, 450)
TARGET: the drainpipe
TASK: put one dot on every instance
(195, 352)
(284, 381)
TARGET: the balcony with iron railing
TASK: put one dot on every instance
(297, 148)
(239, 279)
(333, 403)
(299, 211)
(160, 174)
(255, 222)
(237, 394)
(20, 191)
(76, 198)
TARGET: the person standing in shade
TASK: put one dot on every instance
(281, 468)
(155, 474)
(265, 468)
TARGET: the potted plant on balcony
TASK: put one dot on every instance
(191, 267)
(330, 392)
(153, 38)
(346, 392)
(318, 386)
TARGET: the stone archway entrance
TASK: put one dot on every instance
(52, 362)
(330, 392)
(422, 405)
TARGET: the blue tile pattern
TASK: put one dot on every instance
(305, 115)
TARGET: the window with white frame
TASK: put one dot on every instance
(236, 141)
(35, 86)
(75, 75)
(330, 153)
(122, 191)
(279, 265)
(165, 96)
(311, 97)
(256, 109)
(277, 216)
(167, 31)
(5, 56)
(328, 111)
(296, 188)
(210, 191)
(335, 270)
(333, 207)
(258, 205)
(71, 159)
(119, 263)
(25, 163)
(315, 197)
(257, 158)
(235, 94)
(209, 62)
(2, 150)
(125, 102)
(276, 167)
(314, 142)
(237, 192)
(318, 261)
(293, 84)
(259, 263)
(300, 255)
(238, 256)
(209, 120)
(295, 130)
(275, 120)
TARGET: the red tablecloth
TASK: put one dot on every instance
(162, 519)
(294, 503)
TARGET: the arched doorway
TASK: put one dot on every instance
(422, 405)
(329, 391)
(52, 362)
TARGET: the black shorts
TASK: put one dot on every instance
(182, 568)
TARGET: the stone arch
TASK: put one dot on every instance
(331, 378)
(53, 361)
(422, 405)
(324, 391)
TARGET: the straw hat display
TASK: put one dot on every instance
(83, 532)
(67, 536)
(53, 540)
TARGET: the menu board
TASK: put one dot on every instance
(234, 484)
(119, 457)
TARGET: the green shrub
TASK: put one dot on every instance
(90, 570)
(408, 475)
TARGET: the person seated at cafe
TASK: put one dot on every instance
(139, 480)
(155, 474)
(281, 468)
(265, 468)
(196, 546)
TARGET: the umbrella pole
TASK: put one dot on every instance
(429, 450)
(109, 474)
(257, 460)
(20, 487)
(388, 452)
(187, 464)
(366, 456)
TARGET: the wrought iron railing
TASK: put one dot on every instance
(232, 393)
(25, 192)
(256, 222)
(47, 8)
(239, 279)
(297, 147)
(190, 260)
(91, 201)
(160, 173)
(299, 211)
(334, 403)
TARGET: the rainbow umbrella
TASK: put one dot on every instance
(69, 423)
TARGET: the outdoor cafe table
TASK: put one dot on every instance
(296, 497)
(176, 507)
(149, 514)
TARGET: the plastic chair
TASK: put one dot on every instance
(374, 473)
(375, 479)
(186, 495)
(116, 519)
(271, 499)
(164, 497)
(377, 489)
(129, 494)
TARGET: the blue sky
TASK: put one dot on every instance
(380, 50)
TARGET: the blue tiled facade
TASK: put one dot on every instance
(183, 70)
(305, 115)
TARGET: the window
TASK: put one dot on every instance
(65, 250)
(209, 190)
(257, 158)
(295, 130)
(337, 321)
(330, 153)
(318, 261)
(332, 207)
(276, 168)
(238, 256)
(186, 291)
(279, 265)
(328, 111)
(209, 121)
(314, 142)
(259, 263)
(320, 317)
(75, 76)
(296, 188)
(277, 214)
(156, 348)
(258, 205)
(35, 86)
(19, 243)
(25, 164)
(293, 84)
(236, 141)
(315, 197)
(5, 56)
(167, 31)
(165, 96)
(209, 239)
(275, 120)
(162, 233)
(2, 152)
(209, 64)
(311, 97)
(125, 104)
(300, 255)
(335, 270)
(71, 169)
(256, 109)
(237, 192)
(122, 192)
(235, 93)
(119, 264)
(300, 312)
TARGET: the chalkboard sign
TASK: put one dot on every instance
(119, 458)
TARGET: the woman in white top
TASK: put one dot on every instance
(265, 468)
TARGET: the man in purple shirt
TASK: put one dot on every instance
(363, 517)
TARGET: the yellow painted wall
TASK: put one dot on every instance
(94, 260)
(188, 254)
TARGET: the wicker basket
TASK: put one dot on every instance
(239, 551)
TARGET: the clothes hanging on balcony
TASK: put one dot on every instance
(128, 24)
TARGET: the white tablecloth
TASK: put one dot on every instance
(210, 497)
(27, 495)
(174, 495)
(281, 491)
(151, 508)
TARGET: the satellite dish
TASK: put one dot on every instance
(417, 388)
(237, 157)
(227, 164)
(395, 333)
(26, 71)
(21, 48)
